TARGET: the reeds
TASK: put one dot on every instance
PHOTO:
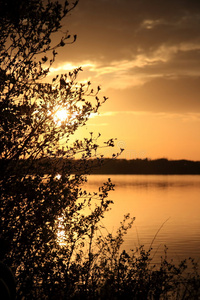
(107, 272)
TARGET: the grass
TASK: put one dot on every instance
(106, 272)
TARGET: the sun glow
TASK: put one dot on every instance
(61, 116)
(58, 176)
(61, 235)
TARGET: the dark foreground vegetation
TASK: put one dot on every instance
(52, 244)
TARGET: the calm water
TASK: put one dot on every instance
(153, 199)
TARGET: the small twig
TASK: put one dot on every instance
(157, 233)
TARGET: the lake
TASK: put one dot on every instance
(170, 203)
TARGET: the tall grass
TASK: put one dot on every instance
(105, 271)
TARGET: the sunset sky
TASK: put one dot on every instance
(146, 57)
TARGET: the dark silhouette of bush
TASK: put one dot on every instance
(7, 283)
(33, 206)
(50, 230)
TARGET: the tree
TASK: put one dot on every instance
(36, 205)
(49, 227)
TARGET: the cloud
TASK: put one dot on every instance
(146, 56)
(159, 95)
(97, 125)
(171, 61)
(114, 30)
(150, 24)
(67, 67)
(186, 117)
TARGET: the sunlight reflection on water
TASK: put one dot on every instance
(153, 199)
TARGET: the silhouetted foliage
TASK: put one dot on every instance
(50, 235)
(33, 207)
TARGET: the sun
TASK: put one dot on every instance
(61, 116)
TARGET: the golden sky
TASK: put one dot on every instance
(146, 57)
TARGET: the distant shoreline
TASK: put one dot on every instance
(110, 166)
(148, 167)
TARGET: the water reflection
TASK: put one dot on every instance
(153, 199)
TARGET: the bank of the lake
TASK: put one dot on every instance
(147, 166)
(160, 166)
